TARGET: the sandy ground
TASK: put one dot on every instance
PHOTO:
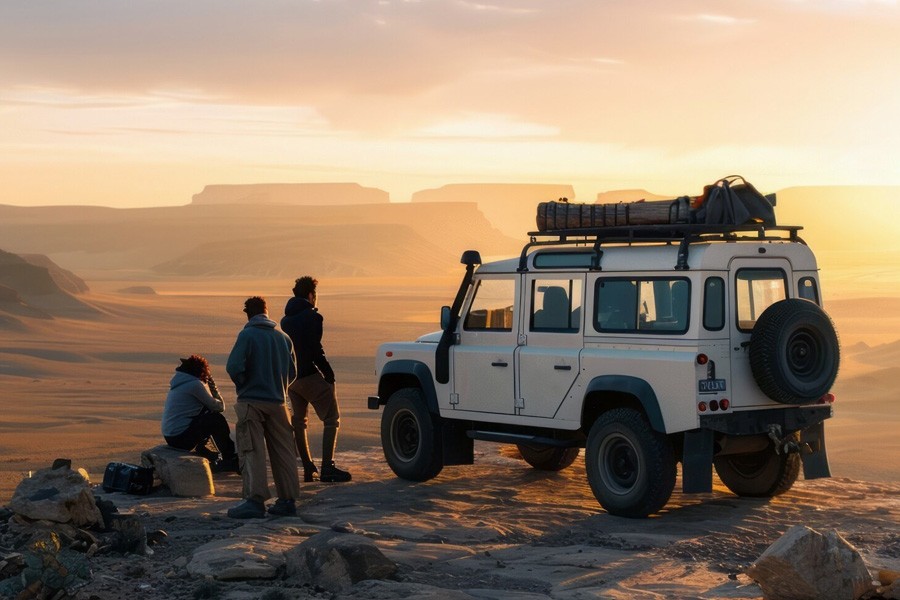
(499, 529)
(92, 391)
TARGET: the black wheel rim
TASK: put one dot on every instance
(405, 436)
(620, 464)
(803, 354)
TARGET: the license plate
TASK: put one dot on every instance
(709, 386)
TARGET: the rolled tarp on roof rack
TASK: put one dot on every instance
(728, 201)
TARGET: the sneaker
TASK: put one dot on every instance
(248, 509)
(331, 474)
(283, 507)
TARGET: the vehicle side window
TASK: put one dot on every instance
(492, 307)
(714, 303)
(757, 290)
(808, 289)
(556, 305)
(652, 305)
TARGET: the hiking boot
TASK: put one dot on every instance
(331, 474)
(310, 472)
(283, 507)
(248, 509)
(225, 465)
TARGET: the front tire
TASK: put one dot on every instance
(631, 468)
(761, 474)
(547, 458)
(411, 436)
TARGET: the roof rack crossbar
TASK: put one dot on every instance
(684, 234)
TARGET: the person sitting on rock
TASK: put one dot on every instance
(193, 414)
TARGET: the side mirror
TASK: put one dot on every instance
(445, 317)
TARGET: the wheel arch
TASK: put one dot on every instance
(399, 374)
(606, 392)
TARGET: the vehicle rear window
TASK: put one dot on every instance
(757, 290)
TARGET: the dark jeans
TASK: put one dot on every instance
(204, 426)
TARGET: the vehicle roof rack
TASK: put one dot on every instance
(684, 234)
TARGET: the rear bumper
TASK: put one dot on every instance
(793, 418)
(699, 444)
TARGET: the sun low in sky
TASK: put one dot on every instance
(143, 103)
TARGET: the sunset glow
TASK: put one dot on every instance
(137, 104)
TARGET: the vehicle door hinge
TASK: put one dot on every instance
(520, 402)
(454, 399)
(523, 339)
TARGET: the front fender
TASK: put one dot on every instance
(631, 386)
(403, 373)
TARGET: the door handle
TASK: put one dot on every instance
(563, 367)
(499, 364)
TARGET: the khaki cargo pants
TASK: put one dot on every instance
(261, 427)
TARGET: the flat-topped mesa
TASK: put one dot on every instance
(310, 194)
(508, 206)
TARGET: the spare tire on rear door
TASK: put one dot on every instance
(794, 352)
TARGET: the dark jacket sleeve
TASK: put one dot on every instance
(319, 352)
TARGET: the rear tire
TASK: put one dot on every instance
(411, 436)
(761, 474)
(547, 458)
(631, 468)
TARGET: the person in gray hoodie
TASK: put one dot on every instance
(262, 366)
(193, 413)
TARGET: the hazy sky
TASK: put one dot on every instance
(136, 103)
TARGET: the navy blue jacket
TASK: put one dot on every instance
(303, 324)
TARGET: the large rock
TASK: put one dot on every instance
(185, 474)
(807, 565)
(252, 553)
(335, 561)
(60, 495)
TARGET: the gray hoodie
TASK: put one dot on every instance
(186, 398)
(262, 363)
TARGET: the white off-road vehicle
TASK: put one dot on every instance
(645, 345)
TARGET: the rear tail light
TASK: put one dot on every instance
(702, 359)
(724, 403)
(827, 399)
(701, 406)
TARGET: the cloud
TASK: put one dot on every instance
(715, 19)
(493, 8)
(486, 127)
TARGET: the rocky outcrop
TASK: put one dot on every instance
(185, 474)
(807, 565)
(291, 193)
(335, 561)
(510, 207)
(64, 279)
(60, 495)
(40, 289)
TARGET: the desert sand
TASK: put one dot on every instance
(92, 390)
(89, 384)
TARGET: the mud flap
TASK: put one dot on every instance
(697, 461)
(815, 463)
(457, 447)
